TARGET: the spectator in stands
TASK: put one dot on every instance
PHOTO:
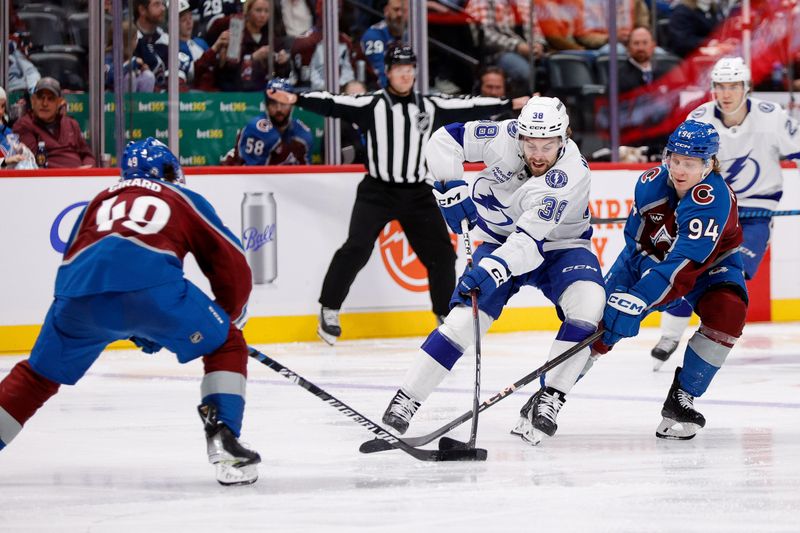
(560, 22)
(214, 71)
(377, 38)
(297, 16)
(641, 68)
(630, 14)
(308, 56)
(13, 154)
(22, 74)
(137, 76)
(492, 83)
(502, 45)
(48, 122)
(191, 48)
(274, 139)
(212, 10)
(353, 148)
(691, 24)
(152, 42)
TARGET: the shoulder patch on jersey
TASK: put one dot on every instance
(511, 128)
(766, 107)
(703, 194)
(485, 130)
(699, 112)
(650, 174)
(264, 125)
(556, 178)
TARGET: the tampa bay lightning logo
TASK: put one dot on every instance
(766, 107)
(742, 173)
(512, 128)
(556, 178)
(699, 112)
(490, 208)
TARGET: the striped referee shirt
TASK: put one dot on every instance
(397, 127)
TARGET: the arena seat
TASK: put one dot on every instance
(66, 67)
(45, 28)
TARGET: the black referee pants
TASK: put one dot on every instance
(376, 204)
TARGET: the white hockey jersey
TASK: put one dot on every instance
(526, 215)
(750, 152)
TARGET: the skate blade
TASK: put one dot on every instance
(674, 430)
(534, 437)
(230, 475)
(522, 427)
(329, 339)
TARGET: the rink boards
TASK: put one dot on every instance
(311, 214)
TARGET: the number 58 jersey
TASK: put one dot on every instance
(135, 235)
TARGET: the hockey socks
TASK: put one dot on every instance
(22, 392)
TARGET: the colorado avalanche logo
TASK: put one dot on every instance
(423, 121)
(650, 174)
(742, 173)
(512, 128)
(702, 194)
(556, 178)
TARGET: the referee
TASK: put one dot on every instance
(397, 121)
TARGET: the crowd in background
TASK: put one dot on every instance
(488, 47)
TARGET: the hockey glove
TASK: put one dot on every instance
(456, 204)
(622, 315)
(146, 345)
(486, 277)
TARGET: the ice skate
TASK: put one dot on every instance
(329, 329)
(400, 410)
(681, 421)
(235, 463)
(541, 416)
(662, 350)
(524, 424)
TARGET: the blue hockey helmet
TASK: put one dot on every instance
(694, 139)
(151, 159)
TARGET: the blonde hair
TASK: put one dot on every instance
(248, 5)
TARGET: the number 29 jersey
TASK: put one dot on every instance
(135, 235)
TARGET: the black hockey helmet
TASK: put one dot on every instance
(399, 54)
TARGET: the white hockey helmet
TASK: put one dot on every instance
(543, 117)
(731, 70)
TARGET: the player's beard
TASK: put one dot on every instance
(542, 168)
(279, 119)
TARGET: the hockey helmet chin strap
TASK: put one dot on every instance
(743, 101)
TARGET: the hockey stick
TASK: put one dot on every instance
(378, 445)
(476, 326)
(761, 213)
(382, 434)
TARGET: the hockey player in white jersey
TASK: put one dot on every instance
(755, 135)
(531, 205)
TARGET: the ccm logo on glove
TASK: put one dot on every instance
(627, 303)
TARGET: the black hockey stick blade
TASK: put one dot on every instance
(377, 445)
(382, 434)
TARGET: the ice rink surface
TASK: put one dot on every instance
(124, 449)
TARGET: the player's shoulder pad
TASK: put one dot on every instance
(510, 127)
(651, 185)
(569, 171)
(301, 125)
(258, 126)
(711, 195)
(703, 112)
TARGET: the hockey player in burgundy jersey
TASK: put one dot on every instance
(122, 277)
(681, 240)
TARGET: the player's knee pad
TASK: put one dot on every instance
(723, 310)
(583, 301)
(458, 326)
